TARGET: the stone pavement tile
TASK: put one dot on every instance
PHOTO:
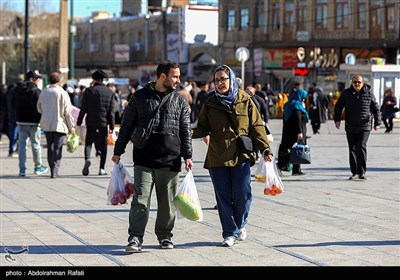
(381, 259)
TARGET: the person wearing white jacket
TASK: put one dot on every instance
(57, 121)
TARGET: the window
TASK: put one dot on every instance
(390, 9)
(302, 15)
(362, 14)
(322, 14)
(276, 22)
(231, 20)
(342, 14)
(260, 14)
(244, 19)
(289, 15)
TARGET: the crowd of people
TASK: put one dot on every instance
(168, 115)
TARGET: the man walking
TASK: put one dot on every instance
(24, 100)
(158, 162)
(318, 103)
(55, 106)
(360, 107)
(98, 106)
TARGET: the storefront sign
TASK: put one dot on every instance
(318, 57)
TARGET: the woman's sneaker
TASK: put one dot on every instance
(242, 234)
(228, 241)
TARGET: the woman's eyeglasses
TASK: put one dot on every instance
(222, 80)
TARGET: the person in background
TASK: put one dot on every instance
(56, 120)
(318, 103)
(98, 106)
(228, 111)
(158, 163)
(12, 123)
(24, 100)
(295, 118)
(271, 99)
(388, 109)
(360, 107)
(117, 103)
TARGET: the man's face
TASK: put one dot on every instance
(172, 79)
(358, 83)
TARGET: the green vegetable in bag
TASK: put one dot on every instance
(72, 142)
(187, 208)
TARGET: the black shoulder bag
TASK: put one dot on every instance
(141, 134)
(245, 143)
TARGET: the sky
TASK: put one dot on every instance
(82, 8)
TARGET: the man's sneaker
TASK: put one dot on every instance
(85, 170)
(353, 177)
(22, 172)
(102, 172)
(242, 234)
(41, 169)
(228, 241)
(133, 247)
(166, 244)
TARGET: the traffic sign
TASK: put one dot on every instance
(242, 54)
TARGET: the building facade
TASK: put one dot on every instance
(309, 37)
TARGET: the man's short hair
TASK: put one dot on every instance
(165, 66)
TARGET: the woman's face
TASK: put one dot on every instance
(221, 81)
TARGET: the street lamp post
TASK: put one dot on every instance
(72, 30)
(26, 36)
(164, 22)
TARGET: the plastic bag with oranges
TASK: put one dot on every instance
(273, 183)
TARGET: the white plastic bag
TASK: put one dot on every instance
(273, 183)
(187, 200)
(261, 171)
(120, 187)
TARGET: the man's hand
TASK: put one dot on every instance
(337, 124)
(115, 158)
(377, 127)
(188, 164)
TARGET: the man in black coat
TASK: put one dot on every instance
(98, 106)
(158, 159)
(360, 108)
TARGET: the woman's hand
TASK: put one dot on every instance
(268, 158)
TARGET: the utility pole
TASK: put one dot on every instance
(63, 40)
(72, 30)
(26, 37)
(165, 32)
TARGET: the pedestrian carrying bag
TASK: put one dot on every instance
(300, 154)
(142, 133)
(187, 200)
